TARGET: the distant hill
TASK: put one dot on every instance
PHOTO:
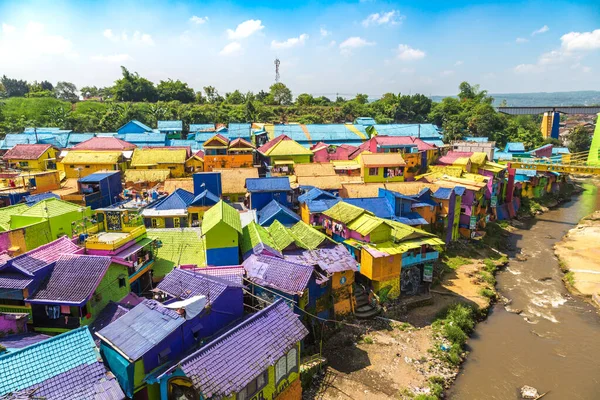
(579, 98)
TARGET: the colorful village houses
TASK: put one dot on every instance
(221, 229)
(322, 176)
(173, 129)
(60, 367)
(274, 211)
(100, 189)
(199, 205)
(119, 233)
(262, 190)
(195, 306)
(324, 153)
(195, 163)
(220, 152)
(75, 291)
(233, 182)
(106, 143)
(385, 249)
(134, 126)
(81, 163)
(278, 157)
(313, 203)
(22, 275)
(163, 158)
(232, 366)
(31, 157)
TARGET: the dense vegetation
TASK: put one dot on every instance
(470, 113)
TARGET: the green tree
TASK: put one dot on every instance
(14, 87)
(58, 116)
(212, 95)
(261, 96)
(235, 97)
(305, 99)
(362, 98)
(89, 91)
(580, 139)
(200, 99)
(281, 94)
(47, 85)
(250, 111)
(132, 87)
(322, 101)
(175, 90)
(66, 91)
(472, 92)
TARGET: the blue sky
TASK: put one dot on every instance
(325, 47)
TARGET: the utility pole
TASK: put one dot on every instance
(277, 63)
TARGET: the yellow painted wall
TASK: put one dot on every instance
(86, 169)
(382, 268)
(39, 164)
(177, 170)
(305, 213)
(194, 165)
(393, 285)
(367, 178)
(343, 296)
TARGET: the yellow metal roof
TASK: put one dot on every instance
(391, 248)
(321, 182)
(288, 148)
(314, 169)
(149, 156)
(146, 175)
(233, 180)
(478, 158)
(91, 157)
(382, 160)
(346, 164)
(283, 162)
(345, 213)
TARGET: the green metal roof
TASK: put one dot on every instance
(253, 234)
(179, 247)
(345, 213)
(221, 212)
(310, 237)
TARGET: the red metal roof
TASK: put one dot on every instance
(452, 156)
(403, 140)
(104, 143)
(26, 151)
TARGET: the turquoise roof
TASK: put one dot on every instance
(170, 125)
(34, 364)
(423, 131)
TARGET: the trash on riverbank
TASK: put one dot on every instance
(528, 392)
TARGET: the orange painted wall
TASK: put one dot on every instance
(228, 161)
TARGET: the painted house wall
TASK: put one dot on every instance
(71, 170)
(221, 244)
(12, 324)
(298, 159)
(59, 225)
(228, 161)
(194, 165)
(27, 238)
(38, 164)
(379, 177)
(344, 301)
(44, 182)
(381, 268)
(177, 170)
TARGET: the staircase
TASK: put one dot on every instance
(364, 309)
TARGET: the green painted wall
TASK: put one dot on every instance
(221, 235)
(380, 234)
(109, 290)
(299, 159)
(37, 235)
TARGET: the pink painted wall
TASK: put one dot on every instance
(9, 322)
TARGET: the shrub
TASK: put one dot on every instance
(487, 278)
(454, 334)
(461, 316)
(570, 278)
(487, 292)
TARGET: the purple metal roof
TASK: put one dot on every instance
(13, 280)
(112, 312)
(73, 280)
(330, 260)
(22, 340)
(32, 261)
(183, 284)
(233, 274)
(277, 273)
(228, 363)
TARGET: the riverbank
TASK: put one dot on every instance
(579, 258)
(414, 349)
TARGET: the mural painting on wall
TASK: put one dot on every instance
(410, 280)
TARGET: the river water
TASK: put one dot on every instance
(554, 345)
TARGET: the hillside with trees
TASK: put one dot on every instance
(132, 96)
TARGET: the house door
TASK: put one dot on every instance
(169, 223)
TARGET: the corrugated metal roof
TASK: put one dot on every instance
(170, 125)
(382, 160)
(365, 224)
(221, 212)
(344, 212)
(379, 206)
(180, 199)
(206, 198)
(92, 157)
(273, 210)
(514, 147)
(315, 194)
(286, 147)
(150, 156)
(141, 329)
(227, 364)
(98, 176)
(233, 180)
(26, 152)
(422, 131)
(201, 127)
(273, 184)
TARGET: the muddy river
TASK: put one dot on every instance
(554, 345)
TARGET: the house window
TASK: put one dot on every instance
(176, 222)
(87, 166)
(122, 282)
(71, 166)
(53, 312)
(373, 171)
(24, 163)
(154, 223)
(254, 386)
(286, 364)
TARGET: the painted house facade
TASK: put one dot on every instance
(81, 163)
(386, 167)
(31, 157)
(221, 228)
(170, 212)
(161, 158)
(279, 156)
(221, 152)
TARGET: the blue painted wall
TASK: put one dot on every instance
(130, 127)
(223, 256)
(211, 181)
(261, 199)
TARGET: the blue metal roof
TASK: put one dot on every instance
(170, 125)
(443, 193)
(76, 138)
(328, 133)
(315, 194)
(235, 130)
(477, 139)
(377, 205)
(460, 190)
(560, 150)
(97, 176)
(142, 328)
(423, 131)
(366, 121)
(139, 124)
(273, 211)
(201, 127)
(178, 200)
(205, 198)
(319, 206)
(514, 147)
(35, 198)
(411, 218)
(192, 144)
(275, 184)
(13, 139)
(501, 155)
(144, 139)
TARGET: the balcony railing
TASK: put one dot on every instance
(16, 310)
(97, 243)
(408, 260)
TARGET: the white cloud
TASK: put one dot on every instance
(8, 28)
(458, 63)
(138, 38)
(574, 41)
(447, 72)
(554, 57)
(407, 53)
(354, 42)
(325, 32)
(114, 58)
(543, 29)
(198, 20)
(231, 48)
(526, 68)
(33, 41)
(392, 17)
(332, 43)
(245, 29)
(291, 42)
(521, 40)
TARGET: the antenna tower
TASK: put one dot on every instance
(277, 62)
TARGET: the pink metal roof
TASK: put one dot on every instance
(104, 143)
(26, 151)
(452, 156)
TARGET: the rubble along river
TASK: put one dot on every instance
(553, 345)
